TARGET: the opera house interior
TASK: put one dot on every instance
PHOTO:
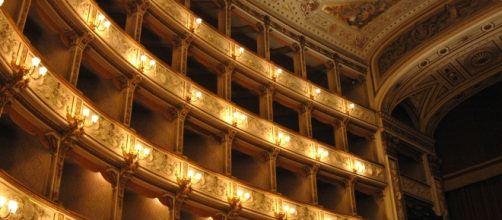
(251, 109)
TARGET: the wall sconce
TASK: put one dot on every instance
(78, 121)
(315, 92)
(358, 167)
(237, 200)
(194, 96)
(146, 64)
(282, 139)
(321, 154)
(285, 212)
(196, 24)
(238, 119)
(7, 207)
(276, 73)
(100, 23)
(133, 155)
(192, 177)
(24, 73)
(351, 106)
(238, 52)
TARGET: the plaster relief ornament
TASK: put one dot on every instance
(357, 13)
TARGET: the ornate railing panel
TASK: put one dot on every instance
(116, 138)
(415, 188)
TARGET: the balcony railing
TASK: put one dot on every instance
(181, 87)
(416, 188)
(64, 106)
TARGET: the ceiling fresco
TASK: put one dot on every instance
(357, 13)
(357, 26)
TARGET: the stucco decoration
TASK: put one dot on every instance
(355, 26)
(426, 29)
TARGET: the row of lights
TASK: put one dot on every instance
(7, 206)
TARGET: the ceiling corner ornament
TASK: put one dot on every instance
(425, 30)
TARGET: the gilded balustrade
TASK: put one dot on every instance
(248, 59)
(52, 92)
(215, 106)
(27, 204)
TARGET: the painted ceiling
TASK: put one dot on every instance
(356, 26)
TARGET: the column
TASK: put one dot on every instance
(180, 53)
(393, 195)
(225, 18)
(263, 38)
(267, 102)
(22, 14)
(227, 141)
(351, 187)
(58, 151)
(128, 89)
(186, 3)
(312, 175)
(134, 20)
(333, 73)
(305, 117)
(178, 124)
(432, 173)
(77, 44)
(224, 82)
(118, 179)
(272, 162)
(299, 58)
(341, 139)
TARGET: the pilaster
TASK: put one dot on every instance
(267, 102)
(263, 38)
(128, 89)
(58, 150)
(224, 81)
(134, 21)
(180, 53)
(333, 73)
(341, 139)
(299, 58)
(76, 44)
(305, 117)
(225, 18)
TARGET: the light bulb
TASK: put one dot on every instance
(287, 138)
(279, 71)
(198, 94)
(1, 3)
(35, 61)
(190, 173)
(241, 50)
(13, 206)
(317, 90)
(352, 106)
(42, 71)
(152, 63)
(198, 176)
(247, 196)
(138, 147)
(142, 58)
(101, 17)
(198, 21)
(146, 151)
(3, 200)
(86, 112)
(94, 118)
(107, 24)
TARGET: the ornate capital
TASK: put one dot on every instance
(138, 6)
(72, 39)
(183, 40)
